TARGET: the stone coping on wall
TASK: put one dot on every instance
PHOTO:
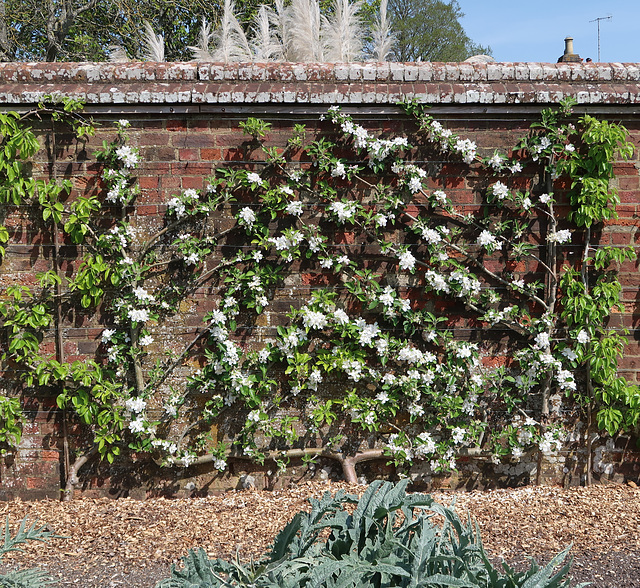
(136, 83)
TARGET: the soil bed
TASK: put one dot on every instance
(110, 543)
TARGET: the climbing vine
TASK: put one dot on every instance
(374, 362)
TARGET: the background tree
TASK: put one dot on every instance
(430, 30)
(83, 30)
(32, 30)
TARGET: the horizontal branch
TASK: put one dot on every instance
(348, 463)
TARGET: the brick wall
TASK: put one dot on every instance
(185, 119)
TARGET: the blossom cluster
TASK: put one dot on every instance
(366, 333)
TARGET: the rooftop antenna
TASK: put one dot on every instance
(598, 21)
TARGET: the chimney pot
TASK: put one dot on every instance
(568, 46)
(569, 55)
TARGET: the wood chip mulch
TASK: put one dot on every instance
(123, 535)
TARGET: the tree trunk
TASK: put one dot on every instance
(72, 474)
(6, 54)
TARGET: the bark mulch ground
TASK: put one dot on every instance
(111, 543)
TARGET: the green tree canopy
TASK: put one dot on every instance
(83, 30)
(430, 30)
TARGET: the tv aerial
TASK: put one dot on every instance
(598, 21)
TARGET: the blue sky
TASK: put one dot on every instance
(534, 30)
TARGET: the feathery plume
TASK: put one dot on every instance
(342, 32)
(117, 54)
(304, 28)
(280, 19)
(201, 50)
(383, 38)
(230, 40)
(265, 46)
(154, 44)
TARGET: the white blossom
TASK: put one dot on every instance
(466, 148)
(440, 197)
(415, 410)
(465, 350)
(542, 341)
(127, 156)
(387, 298)
(217, 317)
(431, 236)
(499, 190)
(326, 263)
(137, 426)
(566, 380)
(388, 379)
(340, 316)
(107, 334)
(407, 260)
(382, 397)
(489, 241)
(247, 216)
(583, 337)
(313, 319)
(231, 354)
(380, 220)
(547, 443)
(411, 355)
(338, 170)
(343, 210)
(368, 333)
(382, 346)
(135, 404)
(496, 161)
(191, 194)
(315, 377)
(458, 434)
(415, 184)
(141, 294)
(192, 259)
(294, 207)
(139, 315)
(254, 178)
(437, 281)
(560, 237)
(477, 379)
(178, 207)
(426, 444)
(353, 369)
